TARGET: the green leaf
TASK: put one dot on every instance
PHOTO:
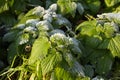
(110, 3)
(62, 74)
(104, 64)
(90, 40)
(24, 38)
(10, 36)
(39, 49)
(35, 2)
(87, 28)
(104, 44)
(67, 7)
(101, 60)
(80, 8)
(8, 19)
(11, 2)
(95, 55)
(12, 52)
(17, 5)
(3, 6)
(109, 30)
(35, 13)
(38, 70)
(114, 46)
(83, 78)
(93, 6)
(50, 62)
(1, 64)
(89, 71)
(77, 69)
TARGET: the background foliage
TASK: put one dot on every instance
(59, 39)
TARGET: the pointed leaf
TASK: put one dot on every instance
(104, 64)
(80, 8)
(87, 28)
(62, 74)
(89, 71)
(50, 62)
(114, 46)
(3, 6)
(39, 49)
(110, 3)
(12, 52)
(67, 7)
(10, 36)
(93, 5)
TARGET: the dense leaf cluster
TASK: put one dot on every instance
(59, 39)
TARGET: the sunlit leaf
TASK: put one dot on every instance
(62, 74)
(110, 3)
(114, 46)
(50, 62)
(39, 49)
(87, 28)
(67, 7)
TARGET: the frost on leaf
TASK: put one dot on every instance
(32, 22)
(47, 17)
(53, 7)
(44, 25)
(39, 11)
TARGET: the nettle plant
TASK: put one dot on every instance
(40, 49)
(101, 38)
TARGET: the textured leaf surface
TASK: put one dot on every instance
(12, 52)
(93, 5)
(89, 71)
(62, 74)
(93, 42)
(114, 46)
(80, 8)
(10, 36)
(110, 3)
(39, 49)
(104, 64)
(87, 28)
(67, 7)
(50, 62)
(3, 6)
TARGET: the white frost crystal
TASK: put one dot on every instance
(73, 41)
(53, 7)
(58, 36)
(39, 11)
(57, 31)
(48, 17)
(20, 26)
(32, 22)
(44, 25)
(110, 16)
(30, 29)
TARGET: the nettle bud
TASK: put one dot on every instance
(28, 48)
